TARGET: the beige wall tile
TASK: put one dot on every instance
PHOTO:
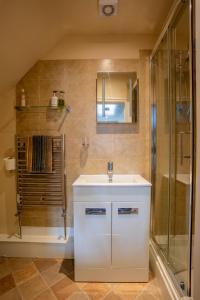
(31, 87)
(126, 145)
(47, 86)
(51, 69)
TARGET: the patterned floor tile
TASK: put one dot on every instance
(32, 287)
(147, 296)
(129, 291)
(81, 284)
(78, 296)
(129, 287)
(64, 288)
(53, 275)
(129, 296)
(46, 295)
(71, 276)
(112, 296)
(2, 259)
(4, 267)
(96, 291)
(53, 279)
(24, 273)
(11, 295)
(43, 264)
(152, 291)
(6, 283)
(17, 263)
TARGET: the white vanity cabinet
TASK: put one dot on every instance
(129, 235)
(111, 232)
(92, 231)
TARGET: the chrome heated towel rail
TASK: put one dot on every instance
(40, 188)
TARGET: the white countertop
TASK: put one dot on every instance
(118, 180)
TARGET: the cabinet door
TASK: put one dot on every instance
(130, 234)
(92, 234)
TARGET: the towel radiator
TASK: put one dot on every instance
(41, 189)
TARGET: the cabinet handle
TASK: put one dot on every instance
(128, 211)
(95, 211)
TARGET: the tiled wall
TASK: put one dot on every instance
(126, 145)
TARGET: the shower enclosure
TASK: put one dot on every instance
(172, 146)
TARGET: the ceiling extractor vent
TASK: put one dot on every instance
(108, 7)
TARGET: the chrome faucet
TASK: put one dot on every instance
(110, 171)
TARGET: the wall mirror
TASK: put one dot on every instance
(117, 97)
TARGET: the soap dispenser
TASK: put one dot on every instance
(61, 99)
(54, 99)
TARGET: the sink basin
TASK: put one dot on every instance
(118, 180)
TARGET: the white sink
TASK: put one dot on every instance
(118, 180)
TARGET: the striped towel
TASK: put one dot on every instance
(39, 154)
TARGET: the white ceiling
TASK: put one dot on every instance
(30, 28)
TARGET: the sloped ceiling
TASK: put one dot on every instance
(30, 28)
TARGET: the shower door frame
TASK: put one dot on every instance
(176, 9)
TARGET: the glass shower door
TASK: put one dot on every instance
(172, 148)
(160, 147)
(181, 151)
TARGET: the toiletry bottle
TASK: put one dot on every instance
(54, 99)
(61, 101)
(23, 98)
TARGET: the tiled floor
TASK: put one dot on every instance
(43, 279)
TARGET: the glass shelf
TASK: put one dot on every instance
(42, 108)
(61, 112)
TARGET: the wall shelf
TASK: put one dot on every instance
(41, 108)
(61, 111)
